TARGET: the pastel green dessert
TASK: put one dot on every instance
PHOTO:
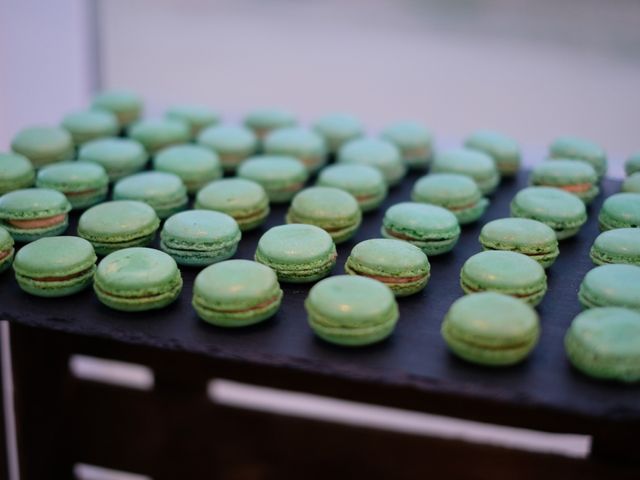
(574, 177)
(631, 184)
(522, 235)
(473, 163)
(33, 213)
(244, 200)
(563, 212)
(457, 193)
(434, 230)
(614, 285)
(365, 183)
(402, 267)
(576, 148)
(377, 153)
(504, 150)
(16, 172)
(124, 104)
(263, 121)
(165, 192)
(198, 117)
(491, 329)
(158, 133)
(83, 183)
(331, 209)
(351, 310)
(414, 141)
(280, 176)
(632, 164)
(337, 129)
(55, 266)
(505, 272)
(43, 145)
(298, 253)
(233, 144)
(236, 293)
(621, 210)
(620, 245)
(88, 125)
(605, 343)
(200, 237)
(137, 279)
(119, 157)
(6, 250)
(195, 165)
(298, 142)
(111, 226)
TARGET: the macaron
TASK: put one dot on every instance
(575, 148)
(124, 104)
(262, 121)
(351, 311)
(614, 285)
(631, 184)
(88, 125)
(55, 266)
(604, 343)
(33, 213)
(457, 193)
(491, 329)
(414, 141)
(233, 144)
(83, 183)
(246, 201)
(621, 210)
(620, 245)
(197, 117)
(337, 129)
(522, 235)
(504, 150)
(302, 143)
(16, 172)
(137, 279)
(298, 253)
(157, 133)
(473, 163)
(378, 153)
(632, 164)
(43, 145)
(163, 191)
(6, 250)
(434, 230)
(331, 209)
(401, 266)
(236, 293)
(562, 211)
(111, 226)
(505, 272)
(365, 183)
(194, 164)
(119, 157)
(574, 177)
(280, 176)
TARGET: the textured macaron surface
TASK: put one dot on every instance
(630, 184)
(229, 139)
(270, 117)
(557, 208)
(118, 156)
(190, 162)
(580, 149)
(16, 172)
(234, 196)
(90, 124)
(155, 133)
(54, 257)
(504, 150)
(359, 180)
(33, 203)
(387, 257)
(465, 161)
(377, 153)
(620, 245)
(409, 135)
(200, 230)
(449, 190)
(156, 188)
(338, 128)
(296, 141)
(420, 221)
(43, 144)
(326, 207)
(118, 221)
(614, 285)
(73, 176)
(620, 210)
(274, 171)
(523, 235)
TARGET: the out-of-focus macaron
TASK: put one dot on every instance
(88, 125)
(304, 144)
(120, 157)
(414, 141)
(575, 148)
(164, 191)
(83, 183)
(377, 153)
(365, 183)
(504, 150)
(631, 184)
(574, 177)
(280, 176)
(620, 245)
(233, 144)
(337, 129)
(263, 121)
(198, 117)
(473, 163)
(124, 104)
(157, 133)
(43, 145)
(621, 210)
(613, 285)
(194, 164)
(16, 172)
(632, 164)
(6, 249)
(55, 266)
(457, 193)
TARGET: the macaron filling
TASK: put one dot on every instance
(61, 278)
(469, 288)
(264, 305)
(37, 223)
(6, 253)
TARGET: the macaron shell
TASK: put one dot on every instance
(304, 144)
(614, 285)
(621, 245)
(337, 129)
(119, 156)
(281, 176)
(163, 191)
(582, 150)
(6, 250)
(364, 182)
(16, 172)
(504, 150)
(631, 184)
(377, 153)
(620, 210)
(475, 164)
(414, 141)
(195, 165)
(43, 145)
(155, 134)
(124, 104)
(83, 183)
(197, 117)
(91, 124)
(578, 178)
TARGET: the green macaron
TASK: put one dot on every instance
(88, 125)
(157, 133)
(6, 250)
(43, 145)
(236, 293)
(401, 266)
(298, 253)
(55, 266)
(605, 343)
(136, 279)
(414, 141)
(352, 311)
(263, 121)
(302, 143)
(233, 144)
(197, 117)
(614, 285)
(33, 213)
(16, 172)
(522, 235)
(280, 176)
(457, 193)
(632, 164)
(574, 177)
(337, 129)
(504, 150)
(119, 157)
(621, 210)
(164, 191)
(563, 212)
(631, 184)
(331, 209)
(246, 201)
(434, 230)
(473, 163)
(124, 104)
(491, 329)
(111, 226)
(365, 183)
(378, 153)
(575, 148)
(505, 272)
(195, 165)
(83, 183)
(620, 245)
